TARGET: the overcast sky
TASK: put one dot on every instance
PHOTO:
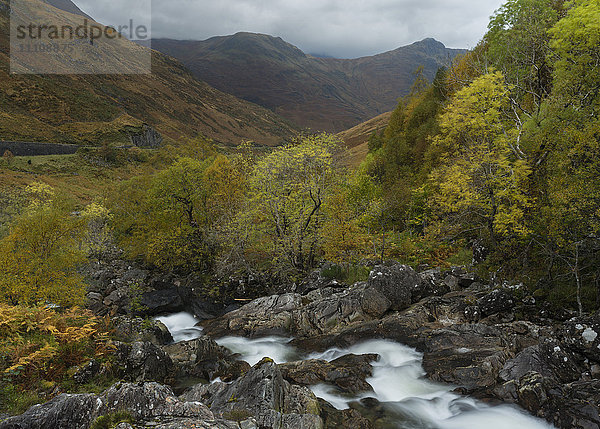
(339, 28)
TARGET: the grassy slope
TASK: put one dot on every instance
(356, 138)
(97, 108)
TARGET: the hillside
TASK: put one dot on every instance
(91, 109)
(320, 93)
(357, 137)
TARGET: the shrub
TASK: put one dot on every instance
(38, 344)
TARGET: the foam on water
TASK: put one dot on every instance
(253, 351)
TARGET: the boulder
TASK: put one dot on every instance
(138, 329)
(349, 372)
(264, 394)
(204, 358)
(162, 301)
(143, 361)
(400, 284)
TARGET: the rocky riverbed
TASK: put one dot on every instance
(436, 349)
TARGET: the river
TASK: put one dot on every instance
(398, 380)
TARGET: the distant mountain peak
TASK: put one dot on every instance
(324, 94)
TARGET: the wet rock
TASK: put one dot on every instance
(400, 284)
(469, 356)
(143, 361)
(349, 372)
(495, 302)
(569, 405)
(204, 358)
(264, 394)
(323, 310)
(138, 329)
(161, 301)
(333, 418)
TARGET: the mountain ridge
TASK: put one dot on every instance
(327, 94)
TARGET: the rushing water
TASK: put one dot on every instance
(398, 380)
(182, 326)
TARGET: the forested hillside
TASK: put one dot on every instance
(502, 151)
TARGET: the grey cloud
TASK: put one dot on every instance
(341, 28)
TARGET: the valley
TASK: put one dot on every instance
(322, 94)
(247, 236)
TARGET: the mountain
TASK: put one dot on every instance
(91, 109)
(67, 6)
(320, 93)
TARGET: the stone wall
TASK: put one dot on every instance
(36, 149)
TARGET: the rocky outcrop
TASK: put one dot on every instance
(146, 403)
(264, 394)
(558, 378)
(323, 310)
(119, 288)
(145, 137)
(468, 333)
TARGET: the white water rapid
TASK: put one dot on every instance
(398, 382)
(182, 326)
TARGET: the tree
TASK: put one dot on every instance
(576, 54)
(40, 255)
(481, 187)
(518, 44)
(175, 220)
(288, 191)
(570, 239)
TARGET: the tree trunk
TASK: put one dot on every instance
(578, 280)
